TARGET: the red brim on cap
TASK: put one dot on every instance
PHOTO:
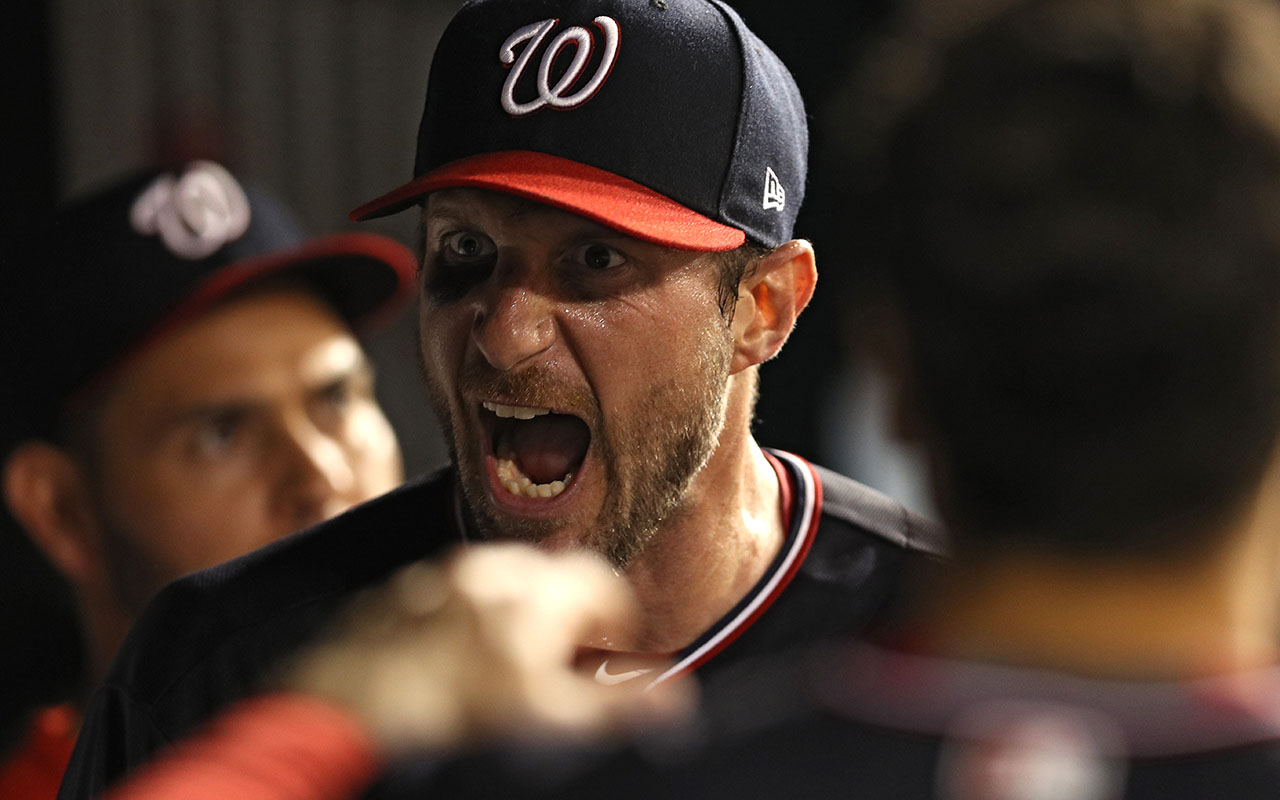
(604, 197)
(369, 276)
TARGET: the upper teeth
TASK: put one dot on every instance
(519, 412)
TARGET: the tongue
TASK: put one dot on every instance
(549, 446)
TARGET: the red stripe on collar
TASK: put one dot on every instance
(801, 498)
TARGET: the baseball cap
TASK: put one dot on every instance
(120, 267)
(667, 120)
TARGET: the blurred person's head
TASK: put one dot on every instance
(1083, 248)
(603, 269)
(187, 385)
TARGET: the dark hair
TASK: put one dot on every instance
(1083, 208)
(733, 266)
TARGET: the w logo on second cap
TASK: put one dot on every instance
(775, 197)
(194, 214)
(549, 95)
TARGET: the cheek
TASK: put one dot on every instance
(374, 453)
(649, 340)
(442, 333)
(186, 520)
(190, 490)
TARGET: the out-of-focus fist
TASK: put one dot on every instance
(480, 647)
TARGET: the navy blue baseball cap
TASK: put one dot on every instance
(667, 120)
(121, 267)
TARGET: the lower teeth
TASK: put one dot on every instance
(516, 483)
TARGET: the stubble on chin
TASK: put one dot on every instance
(650, 456)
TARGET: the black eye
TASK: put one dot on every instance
(461, 260)
(467, 246)
(597, 256)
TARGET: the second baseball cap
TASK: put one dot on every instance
(118, 268)
(667, 120)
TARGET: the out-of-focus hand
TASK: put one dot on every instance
(480, 647)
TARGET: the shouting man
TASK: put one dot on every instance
(608, 191)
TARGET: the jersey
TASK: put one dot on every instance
(210, 638)
(855, 720)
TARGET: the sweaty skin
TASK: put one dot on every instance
(527, 309)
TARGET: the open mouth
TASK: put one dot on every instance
(537, 451)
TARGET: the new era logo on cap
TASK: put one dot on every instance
(194, 214)
(775, 197)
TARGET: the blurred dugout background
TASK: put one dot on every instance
(318, 101)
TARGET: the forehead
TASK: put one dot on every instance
(255, 344)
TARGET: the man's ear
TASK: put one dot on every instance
(46, 493)
(770, 299)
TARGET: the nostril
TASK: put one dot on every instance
(512, 332)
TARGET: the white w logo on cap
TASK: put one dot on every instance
(194, 215)
(549, 95)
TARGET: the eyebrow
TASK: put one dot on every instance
(584, 229)
(361, 368)
(199, 414)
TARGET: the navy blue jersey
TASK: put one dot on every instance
(210, 638)
(857, 721)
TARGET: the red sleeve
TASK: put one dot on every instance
(277, 747)
(33, 773)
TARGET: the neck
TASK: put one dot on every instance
(1131, 618)
(105, 626)
(705, 558)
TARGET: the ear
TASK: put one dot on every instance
(770, 299)
(46, 492)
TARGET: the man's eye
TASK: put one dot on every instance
(336, 395)
(597, 256)
(466, 245)
(219, 433)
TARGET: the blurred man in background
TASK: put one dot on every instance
(185, 386)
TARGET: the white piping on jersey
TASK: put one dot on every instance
(806, 494)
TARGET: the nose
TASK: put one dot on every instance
(317, 479)
(514, 324)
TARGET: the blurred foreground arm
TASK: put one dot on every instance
(474, 650)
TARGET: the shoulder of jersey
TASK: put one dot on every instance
(874, 511)
(200, 614)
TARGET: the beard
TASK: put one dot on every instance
(651, 453)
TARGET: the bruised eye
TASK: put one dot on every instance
(462, 259)
(597, 256)
(467, 246)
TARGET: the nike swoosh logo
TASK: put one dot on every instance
(603, 675)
